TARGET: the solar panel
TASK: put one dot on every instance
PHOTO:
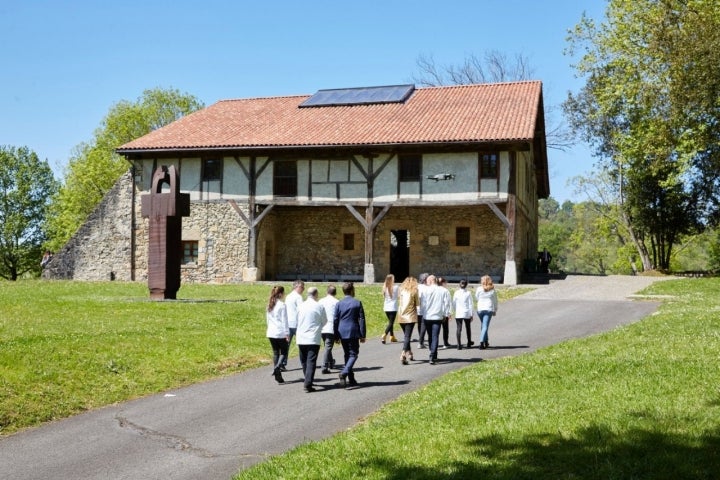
(359, 96)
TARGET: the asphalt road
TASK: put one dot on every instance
(214, 429)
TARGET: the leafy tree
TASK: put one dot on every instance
(657, 140)
(556, 225)
(95, 167)
(26, 186)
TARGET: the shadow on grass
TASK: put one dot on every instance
(597, 452)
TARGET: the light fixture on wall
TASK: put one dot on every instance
(441, 176)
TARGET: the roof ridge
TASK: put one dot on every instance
(271, 97)
(486, 84)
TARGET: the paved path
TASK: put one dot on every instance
(212, 430)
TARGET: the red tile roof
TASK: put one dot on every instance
(455, 114)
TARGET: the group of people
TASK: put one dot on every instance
(315, 322)
(426, 301)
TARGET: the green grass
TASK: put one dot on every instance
(67, 347)
(639, 402)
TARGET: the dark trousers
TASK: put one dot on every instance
(458, 330)
(329, 342)
(308, 359)
(351, 348)
(446, 331)
(433, 329)
(422, 329)
(289, 341)
(407, 332)
(280, 351)
(390, 322)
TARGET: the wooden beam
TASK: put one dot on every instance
(500, 214)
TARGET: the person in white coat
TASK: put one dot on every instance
(463, 307)
(328, 334)
(277, 329)
(293, 300)
(311, 319)
(438, 306)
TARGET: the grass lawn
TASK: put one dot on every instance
(639, 402)
(67, 347)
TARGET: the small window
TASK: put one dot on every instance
(190, 251)
(348, 241)
(285, 178)
(462, 236)
(410, 167)
(489, 165)
(212, 169)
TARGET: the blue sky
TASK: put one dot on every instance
(66, 63)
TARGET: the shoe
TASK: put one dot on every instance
(447, 345)
(393, 339)
(278, 377)
(309, 389)
(459, 347)
(352, 383)
(442, 347)
(382, 339)
(410, 356)
(433, 361)
(470, 344)
(483, 345)
(403, 359)
(326, 371)
(343, 380)
(282, 368)
(422, 345)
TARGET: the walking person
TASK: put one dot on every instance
(328, 336)
(422, 285)
(437, 305)
(390, 306)
(408, 302)
(463, 308)
(487, 305)
(349, 328)
(445, 325)
(311, 319)
(277, 330)
(292, 302)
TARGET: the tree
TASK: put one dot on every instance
(657, 141)
(95, 167)
(26, 187)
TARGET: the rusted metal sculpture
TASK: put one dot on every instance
(165, 211)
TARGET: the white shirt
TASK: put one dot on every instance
(277, 325)
(328, 302)
(437, 303)
(293, 301)
(421, 294)
(391, 301)
(311, 319)
(463, 303)
(486, 301)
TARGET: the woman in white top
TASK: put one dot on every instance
(463, 308)
(277, 329)
(487, 304)
(390, 305)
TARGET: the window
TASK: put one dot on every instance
(190, 251)
(489, 165)
(285, 178)
(462, 236)
(410, 167)
(348, 241)
(212, 169)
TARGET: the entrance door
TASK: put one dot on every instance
(400, 254)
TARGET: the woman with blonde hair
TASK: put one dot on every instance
(390, 306)
(487, 304)
(408, 303)
(277, 330)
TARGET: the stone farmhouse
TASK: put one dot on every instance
(346, 184)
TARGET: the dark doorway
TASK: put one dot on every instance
(400, 254)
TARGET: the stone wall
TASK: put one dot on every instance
(101, 248)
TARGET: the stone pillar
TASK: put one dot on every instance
(510, 276)
(369, 276)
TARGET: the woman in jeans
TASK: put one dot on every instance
(408, 302)
(463, 308)
(487, 304)
(390, 306)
